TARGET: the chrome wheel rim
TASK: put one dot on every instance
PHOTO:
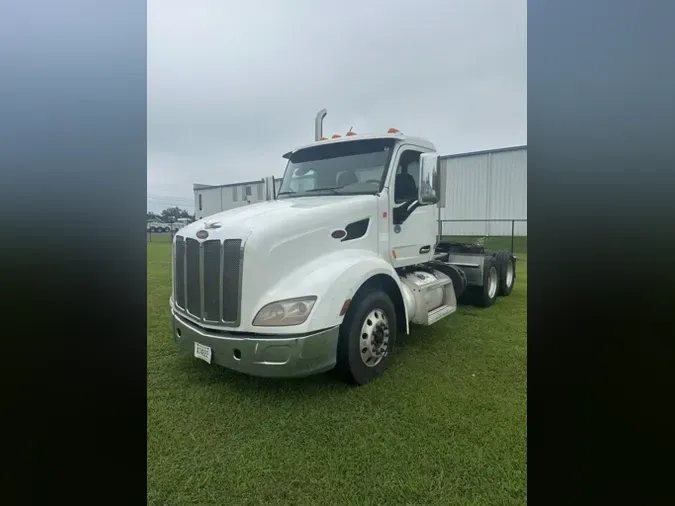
(492, 282)
(374, 338)
(509, 274)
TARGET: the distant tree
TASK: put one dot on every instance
(152, 216)
(171, 214)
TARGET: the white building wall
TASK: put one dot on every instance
(485, 186)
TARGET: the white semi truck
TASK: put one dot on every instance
(332, 270)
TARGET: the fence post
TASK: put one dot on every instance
(513, 233)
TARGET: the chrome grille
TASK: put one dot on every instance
(207, 279)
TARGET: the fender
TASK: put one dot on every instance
(332, 278)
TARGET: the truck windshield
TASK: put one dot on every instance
(342, 168)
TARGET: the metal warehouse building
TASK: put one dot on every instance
(214, 199)
(481, 188)
(485, 186)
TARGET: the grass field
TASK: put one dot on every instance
(445, 425)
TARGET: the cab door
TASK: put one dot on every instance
(413, 226)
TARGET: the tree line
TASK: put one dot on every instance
(170, 215)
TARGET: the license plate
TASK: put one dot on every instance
(203, 352)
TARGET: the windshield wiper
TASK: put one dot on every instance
(331, 189)
(286, 192)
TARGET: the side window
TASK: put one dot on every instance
(234, 194)
(248, 191)
(407, 173)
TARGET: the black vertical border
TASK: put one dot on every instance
(601, 128)
(73, 261)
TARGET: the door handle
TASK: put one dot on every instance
(425, 249)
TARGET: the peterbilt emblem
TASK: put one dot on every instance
(202, 234)
(212, 224)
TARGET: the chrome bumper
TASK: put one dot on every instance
(273, 357)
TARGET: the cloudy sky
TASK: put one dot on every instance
(234, 85)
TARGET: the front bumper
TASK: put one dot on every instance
(272, 357)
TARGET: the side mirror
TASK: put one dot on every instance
(429, 181)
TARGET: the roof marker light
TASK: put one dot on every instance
(336, 136)
(350, 133)
(323, 139)
(393, 131)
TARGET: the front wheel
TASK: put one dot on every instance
(367, 337)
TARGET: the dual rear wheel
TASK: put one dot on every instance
(499, 275)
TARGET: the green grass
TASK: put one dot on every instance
(446, 424)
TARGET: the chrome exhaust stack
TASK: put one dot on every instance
(318, 124)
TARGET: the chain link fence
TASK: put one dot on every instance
(493, 234)
(161, 236)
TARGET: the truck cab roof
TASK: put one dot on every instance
(418, 141)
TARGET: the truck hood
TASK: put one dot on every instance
(286, 217)
(285, 236)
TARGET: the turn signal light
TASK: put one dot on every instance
(345, 307)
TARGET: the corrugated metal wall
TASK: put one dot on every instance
(485, 186)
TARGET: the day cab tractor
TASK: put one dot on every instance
(328, 273)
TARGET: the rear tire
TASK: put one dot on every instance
(368, 331)
(506, 264)
(486, 295)
(153, 230)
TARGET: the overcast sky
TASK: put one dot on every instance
(234, 85)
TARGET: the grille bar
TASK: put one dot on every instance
(193, 277)
(232, 262)
(208, 279)
(211, 269)
(179, 272)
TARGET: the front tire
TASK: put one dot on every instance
(367, 337)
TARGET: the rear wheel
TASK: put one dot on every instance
(367, 337)
(486, 295)
(153, 229)
(506, 263)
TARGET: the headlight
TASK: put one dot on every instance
(285, 312)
